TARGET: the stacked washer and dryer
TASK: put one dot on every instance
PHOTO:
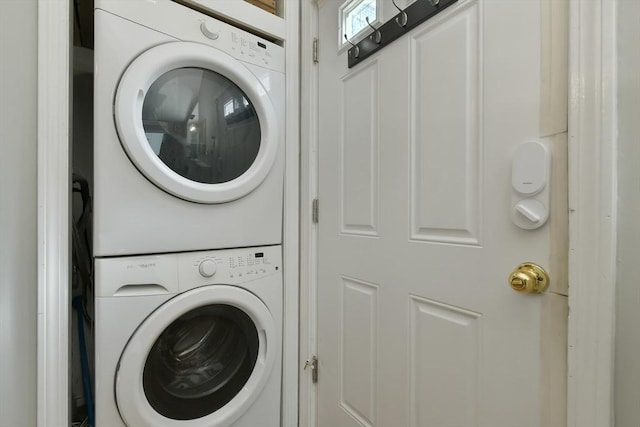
(188, 183)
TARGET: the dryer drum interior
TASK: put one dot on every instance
(201, 125)
(200, 362)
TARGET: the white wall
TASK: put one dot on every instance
(18, 278)
(627, 380)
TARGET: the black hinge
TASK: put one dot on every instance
(313, 364)
(315, 211)
(315, 50)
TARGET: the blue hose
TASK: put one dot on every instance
(84, 360)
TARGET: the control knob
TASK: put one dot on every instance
(209, 30)
(207, 268)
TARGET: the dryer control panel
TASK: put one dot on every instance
(183, 23)
(247, 47)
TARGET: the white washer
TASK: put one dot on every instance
(190, 339)
(189, 131)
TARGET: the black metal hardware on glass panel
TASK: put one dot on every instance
(415, 14)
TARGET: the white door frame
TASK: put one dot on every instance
(308, 192)
(54, 247)
(593, 211)
(592, 203)
(291, 226)
(54, 242)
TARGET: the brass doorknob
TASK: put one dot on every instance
(529, 278)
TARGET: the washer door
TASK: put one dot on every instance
(196, 122)
(200, 359)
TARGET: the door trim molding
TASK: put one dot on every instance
(54, 243)
(291, 221)
(308, 192)
(592, 207)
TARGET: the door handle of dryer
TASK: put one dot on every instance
(135, 290)
(263, 353)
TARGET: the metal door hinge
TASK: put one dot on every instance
(315, 211)
(313, 364)
(315, 50)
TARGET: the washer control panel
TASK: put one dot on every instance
(231, 267)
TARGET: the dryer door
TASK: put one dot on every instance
(200, 359)
(196, 122)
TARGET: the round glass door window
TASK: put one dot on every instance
(200, 362)
(201, 125)
(196, 122)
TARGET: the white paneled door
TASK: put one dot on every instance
(417, 323)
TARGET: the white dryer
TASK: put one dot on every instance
(190, 339)
(189, 131)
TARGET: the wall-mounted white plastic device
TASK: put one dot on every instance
(529, 179)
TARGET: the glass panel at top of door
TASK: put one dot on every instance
(201, 125)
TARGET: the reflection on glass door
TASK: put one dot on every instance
(200, 362)
(201, 125)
